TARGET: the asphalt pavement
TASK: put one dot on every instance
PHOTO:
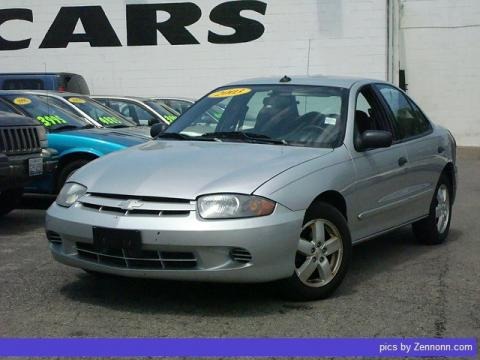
(395, 288)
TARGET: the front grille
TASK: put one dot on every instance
(140, 206)
(241, 255)
(54, 237)
(19, 140)
(147, 259)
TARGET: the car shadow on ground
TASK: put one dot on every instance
(171, 297)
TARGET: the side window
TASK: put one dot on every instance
(23, 84)
(368, 114)
(408, 122)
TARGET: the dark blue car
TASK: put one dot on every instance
(76, 141)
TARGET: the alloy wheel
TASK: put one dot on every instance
(442, 210)
(319, 254)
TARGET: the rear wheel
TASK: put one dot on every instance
(322, 257)
(9, 200)
(435, 228)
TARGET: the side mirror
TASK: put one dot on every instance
(157, 129)
(374, 139)
(152, 122)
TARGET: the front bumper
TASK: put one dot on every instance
(14, 169)
(268, 244)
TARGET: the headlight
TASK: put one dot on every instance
(42, 136)
(230, 206)
(70, 193)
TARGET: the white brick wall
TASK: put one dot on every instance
(442, 60)
(346, 37)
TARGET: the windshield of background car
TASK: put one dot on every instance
(98, 112)
(51, 116)
(312, 116)
(179, 106)
(169, 115)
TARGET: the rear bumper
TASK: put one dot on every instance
(271, 242)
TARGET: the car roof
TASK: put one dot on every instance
(38, 73)
(173, 98)
(42, 92)
(313, 80)
(138, 98)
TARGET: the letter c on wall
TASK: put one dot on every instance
(15, 14)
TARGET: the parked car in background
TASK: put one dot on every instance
(180, 105)
(143, 111)
(293, 174)
(94, 112)
(44, 81)
(76, 141)
(24, 157)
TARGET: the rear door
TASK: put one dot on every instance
(423, 148)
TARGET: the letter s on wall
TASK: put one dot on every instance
(15, 14)
(228, 14)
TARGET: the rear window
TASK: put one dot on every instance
(23, 84)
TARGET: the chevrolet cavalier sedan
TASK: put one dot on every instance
(294, 172)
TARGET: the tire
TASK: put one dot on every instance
(9, 200)
(329, 262)
(68, 171)
(434, 229)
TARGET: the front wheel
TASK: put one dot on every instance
(434, 229)
(322, 257)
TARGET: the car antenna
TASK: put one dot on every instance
(285, 79)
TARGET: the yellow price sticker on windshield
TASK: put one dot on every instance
(76, 100)
(22, 101)
(229, 92)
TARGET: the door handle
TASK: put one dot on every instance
(441, 149)
(402, 161)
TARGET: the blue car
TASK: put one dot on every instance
(76, 141)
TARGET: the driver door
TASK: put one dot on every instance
(379, 188)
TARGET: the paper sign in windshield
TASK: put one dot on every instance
(76, 100)
(22, 101)
(51, 120)
(230, 92)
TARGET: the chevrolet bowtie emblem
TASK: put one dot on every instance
(130, 204)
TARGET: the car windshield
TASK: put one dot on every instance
(311, 116)
(178, 105)
(168, 114)
(51, 116)
(98, 112)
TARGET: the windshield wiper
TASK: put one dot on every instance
(118, 126)
(178, 136)
(174, 136)
(247, 136)
(89, 126)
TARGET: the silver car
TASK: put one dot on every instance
(294, 172)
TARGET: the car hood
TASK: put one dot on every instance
(187, 169)
(142, 131)
(109, 135)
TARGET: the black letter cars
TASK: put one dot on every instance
(142, 25)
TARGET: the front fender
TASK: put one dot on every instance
(297, 187)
